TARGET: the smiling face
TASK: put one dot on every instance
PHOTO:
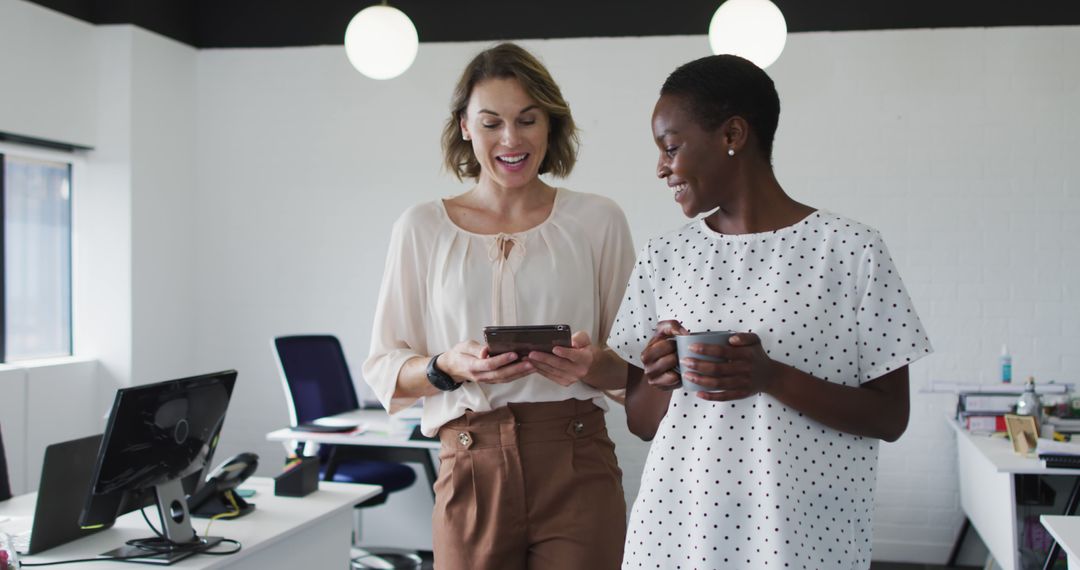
(509, 133)
(693, 161)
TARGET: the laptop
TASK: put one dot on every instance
(65, 482)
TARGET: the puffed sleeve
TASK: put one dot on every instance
(397, 334)
(890, 334)
(616, 262)
(636, 319)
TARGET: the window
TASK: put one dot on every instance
(35, 257)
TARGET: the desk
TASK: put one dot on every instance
(987, 468)
(1066, 531)
(282, 532)
(382, 440)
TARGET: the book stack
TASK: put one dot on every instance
(1059, 454)
(984, 411)
(1064, 425)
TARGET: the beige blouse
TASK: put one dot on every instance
(442, 285)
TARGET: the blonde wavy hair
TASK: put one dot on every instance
(510, 61)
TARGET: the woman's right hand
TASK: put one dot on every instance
(660, 358)
(469, 362)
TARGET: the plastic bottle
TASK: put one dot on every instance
(1006, 365)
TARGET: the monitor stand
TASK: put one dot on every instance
(179, 539)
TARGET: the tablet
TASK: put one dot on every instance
(525, 339)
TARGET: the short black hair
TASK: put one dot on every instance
(719, 87)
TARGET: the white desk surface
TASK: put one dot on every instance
(999, 451)
(986, 469)
(273, 523)
(1066, 531)
(379, 430)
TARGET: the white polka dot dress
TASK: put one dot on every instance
(752, 484)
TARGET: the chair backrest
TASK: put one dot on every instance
(5, 486)
(315, 377)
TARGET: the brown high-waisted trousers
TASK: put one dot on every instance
(529, 486)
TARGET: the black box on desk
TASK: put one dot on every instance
(299, 479)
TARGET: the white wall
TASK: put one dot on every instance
(129, 94)
(163, 217)
(47, 68)
(136, 210)
(43, 403)
(953, 142)
(13, 423)
(49, 89)
(63, 403)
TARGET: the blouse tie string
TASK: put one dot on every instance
(503, 286)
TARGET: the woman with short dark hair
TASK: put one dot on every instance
(528, 476)
(774, 465)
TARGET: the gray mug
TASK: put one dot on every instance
(682, 348)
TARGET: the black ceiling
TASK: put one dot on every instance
(276, 23)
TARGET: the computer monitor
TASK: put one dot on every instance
(109, 506)
(158, 434)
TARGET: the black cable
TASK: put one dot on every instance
(106, 559)
(227, 552)
(164, 546)
(205, 550)
(150, 524)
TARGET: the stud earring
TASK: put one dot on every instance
(465, 137)
(731, 152)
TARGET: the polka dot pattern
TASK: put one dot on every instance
(753, 484)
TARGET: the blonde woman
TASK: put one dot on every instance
(528, 476)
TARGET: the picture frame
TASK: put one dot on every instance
(1023, 432)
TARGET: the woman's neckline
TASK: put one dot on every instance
(756, 235)
(544, 222)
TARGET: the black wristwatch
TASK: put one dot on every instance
(438, 378)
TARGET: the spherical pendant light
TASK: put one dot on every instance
(754, 29)
(381, 42)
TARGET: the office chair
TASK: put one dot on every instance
(318, 384)
(5, 485)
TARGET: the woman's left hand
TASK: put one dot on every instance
(748, 369)
(566, 365)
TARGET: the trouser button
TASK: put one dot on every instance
(464, 439)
